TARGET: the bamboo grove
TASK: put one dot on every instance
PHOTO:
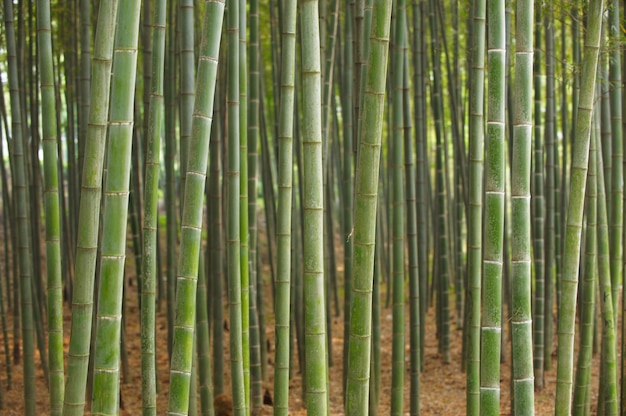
(268, 187)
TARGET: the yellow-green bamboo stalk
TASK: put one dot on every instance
(149, 258)
(243, 198)
(474, 222)
(608, 381)
(89, 214)
(191, 223)
(366, 188)
(285, 195)
(316, 373)
(233, 234)
(398, 227)
(495, 178)
(580, 159)
(116, 195)
(51, 200)
(521, 266)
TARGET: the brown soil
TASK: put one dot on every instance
(442, 385)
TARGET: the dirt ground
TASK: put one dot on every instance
(442, 385)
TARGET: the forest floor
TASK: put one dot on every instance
(442, 385)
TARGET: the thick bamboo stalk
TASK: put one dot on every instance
(608, 372)
(474, 223)
(491, 323)
(233, 233)
(191, 223)
(398, 233)
(366, 188)
(313, 204)
(521, 321)
(116, 196)
(582, 388)
(150, 216)
(580, 158)
(89, 214)
(53, 227)
(284, 221)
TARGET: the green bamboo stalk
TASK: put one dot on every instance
(233, 233)
(521, 321)
(365, 40)
(474, 239)
(602, 124)
(5, 335)
(328, 53)
(564, 145)
(617, 180)
(608, 380)
(285, 191)
(169, 97)
(89, 214)
(193, 385)
(605, 111)
(116, 195)
(580, 157)
(330, 278)
(187, 88)
(366, 187)
(275, 47)
(396, 147)
(135, 204)
(203, 346)
(538, 218)
(297, 267)
(21, 213)
(583, 368)
(442, 281)
(216, 262)
(348, 184)
(359, 37)
(191, 224)
(150, 217)
(386, 179)
(316, 374)
(146, 58)
(491, 326)
(615, 76)
(85, 93)
(256, 374)
(414, 293)
(260, 300)
(422, 166)
(559, 179)
(375, 364)
(53, 228)
(575, 34)
(595, 131)
(243, 198)
(333, 193)
(550, 284)
(9, 254)
(6, 209)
